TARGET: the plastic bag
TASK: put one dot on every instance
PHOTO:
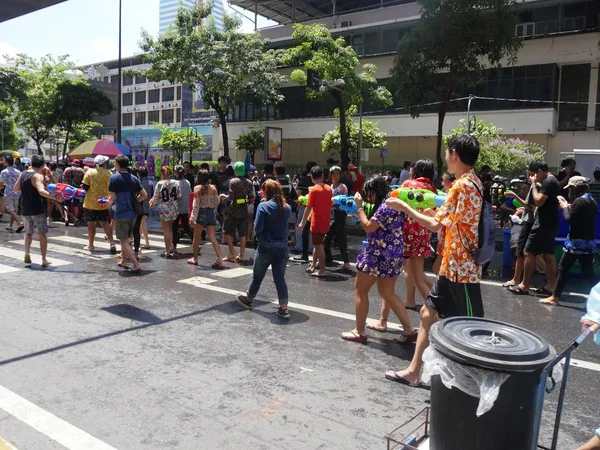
(480, 383)
(593, 309)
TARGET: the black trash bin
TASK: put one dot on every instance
(495, 346)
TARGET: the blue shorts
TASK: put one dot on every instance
(206, 217)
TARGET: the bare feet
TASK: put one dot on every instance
(46, 263)
(230, 258)
(380, 325)
(551, 301)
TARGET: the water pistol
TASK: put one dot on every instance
(419, 198)
(67, 192)
(103, 201)
(346, 204)
(516, 203)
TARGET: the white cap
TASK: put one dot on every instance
(100, 159)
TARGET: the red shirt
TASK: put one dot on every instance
(358, 180)
(319, 198)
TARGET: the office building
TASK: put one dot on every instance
(557, 63)
(168, 11)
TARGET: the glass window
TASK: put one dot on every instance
(140, 98)
(128, 99)
(127, 119)
(167, 116)
(168, 94)
(127, 80)
(178, 115)
(178, 92)
(574, 87)
(598, 107)
(154, 96)
(140, 80)
(140, 118)
(153, 116)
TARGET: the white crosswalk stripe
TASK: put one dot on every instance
(68, 251)
(158, 243)
(7, 269)
(232, 273)
(37, 259)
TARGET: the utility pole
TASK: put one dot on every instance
(119, 89)
(360, 137)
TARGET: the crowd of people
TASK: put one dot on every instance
(251, 209)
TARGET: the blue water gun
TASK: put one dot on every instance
(346, 203)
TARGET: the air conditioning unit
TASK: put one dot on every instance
(346, 24)
(156, 84)
(170, 105)
(154, 106)
(128, 89)
(176, 104)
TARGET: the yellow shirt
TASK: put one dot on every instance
(97, 180)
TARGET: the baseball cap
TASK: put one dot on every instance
(76, 162)
(352, 167)
(577, 181)
(334, 168)
(178, 168)
(239, 169)
(100, 159)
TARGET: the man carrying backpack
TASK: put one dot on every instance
(456, 291)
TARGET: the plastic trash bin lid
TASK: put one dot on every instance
(491, 344)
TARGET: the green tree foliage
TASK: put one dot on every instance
(37, 83)
(373, 137)
(251, 141)
(506, 156)
(333, 59)
(75, 104)
(180, 141)
(227, 66)
(452, 39)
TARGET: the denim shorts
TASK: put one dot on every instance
(206, 217)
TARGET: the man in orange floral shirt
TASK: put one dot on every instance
(456, 291)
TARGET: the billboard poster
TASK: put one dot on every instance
(194, 112)
(273, 143)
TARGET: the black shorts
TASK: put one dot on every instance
(523, 235)
(96, 215)
(232, 225)
(452, 299)
(541, 241)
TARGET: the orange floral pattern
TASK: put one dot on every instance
(460, 215)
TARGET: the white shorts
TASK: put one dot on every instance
(11, 204)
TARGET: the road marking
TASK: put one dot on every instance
(153, 242)
(197, 281)
(232, 273)
(48, 424)
(67, 250)
(341, 315)
(37, 259)
(7, 269)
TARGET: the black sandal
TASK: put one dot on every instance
(517, 290)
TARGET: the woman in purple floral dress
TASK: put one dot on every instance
(381, 261)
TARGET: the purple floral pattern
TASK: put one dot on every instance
(383, 254)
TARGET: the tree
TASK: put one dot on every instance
(333, 59)
(252, 141)
(451, 40)
(180, 141)
(506, 156)
(39, 81)
(76, 102)
(372, 136)
(227, 67)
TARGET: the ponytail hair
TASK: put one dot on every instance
(272, 190)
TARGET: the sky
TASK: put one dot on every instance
(87, 30)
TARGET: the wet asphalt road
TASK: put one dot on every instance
(168, 359)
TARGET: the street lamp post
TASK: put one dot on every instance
(119, 88)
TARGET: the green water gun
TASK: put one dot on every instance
(303, 200)
(419, 198)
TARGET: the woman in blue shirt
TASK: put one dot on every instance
(270, 227)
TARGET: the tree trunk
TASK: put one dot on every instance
(66, 146)
(224, 133)
(440, 130)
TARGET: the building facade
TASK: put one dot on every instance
(551, 96)
(168, 11)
